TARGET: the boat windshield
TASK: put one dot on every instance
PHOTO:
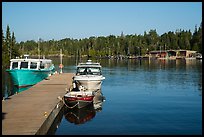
(88, 71)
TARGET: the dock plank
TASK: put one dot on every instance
(24, 113)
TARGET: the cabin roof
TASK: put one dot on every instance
(89, 65)
(33, 60)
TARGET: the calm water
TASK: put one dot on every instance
(162, 97)
(142, 97)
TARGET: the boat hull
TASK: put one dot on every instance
(78, 102)
(27, 77)
(90, 85)
(89, 82)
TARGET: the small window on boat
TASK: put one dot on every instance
(42, 66)
(24, 65)
(33, 65)
(47, 65)
(15, 65)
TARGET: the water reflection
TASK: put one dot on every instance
(98, 101)
(85, 114)
(154, 72)
(161, 97)
(79, 116)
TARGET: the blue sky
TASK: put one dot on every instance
(59, 20)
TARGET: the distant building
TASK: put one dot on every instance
(172, 54)
(158, 54)
(186, 53)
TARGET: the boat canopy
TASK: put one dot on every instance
(89, 68)
(30, 63)
(89, 63)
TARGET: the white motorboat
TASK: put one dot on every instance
(78, 99)
(89, 75)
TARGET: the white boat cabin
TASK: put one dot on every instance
(89, 68)
(26, 63)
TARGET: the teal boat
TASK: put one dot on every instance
(27, 72)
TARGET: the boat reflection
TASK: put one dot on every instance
(80, 116)
(98, 101)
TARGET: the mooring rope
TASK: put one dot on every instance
(66, 104)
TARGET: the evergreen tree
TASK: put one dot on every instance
(8, 42)
(110, 45)
(196, 41)
(14, 48)
(5, 57)
(200, 39)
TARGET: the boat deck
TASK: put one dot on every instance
(32, 111)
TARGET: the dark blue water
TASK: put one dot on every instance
(145, 97)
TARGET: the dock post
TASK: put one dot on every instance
(61, 65)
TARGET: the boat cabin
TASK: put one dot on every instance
(89, 68)
(35, 64)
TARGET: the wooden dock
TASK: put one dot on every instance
(32, 112)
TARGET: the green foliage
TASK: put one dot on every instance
(104, 46)
(9, 47)
(196, 41)
(5, 55)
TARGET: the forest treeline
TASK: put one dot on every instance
(102, 46)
